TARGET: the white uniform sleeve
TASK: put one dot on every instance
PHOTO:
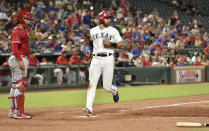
(117, 37)
(90, 32)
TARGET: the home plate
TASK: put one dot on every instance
(86, 116)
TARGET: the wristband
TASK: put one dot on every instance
(125, 45)
(114, 45)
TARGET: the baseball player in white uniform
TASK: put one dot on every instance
(105, 39)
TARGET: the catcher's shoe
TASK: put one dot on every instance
(87, 112)
(116, 97)
(23, 116)
(11, 113)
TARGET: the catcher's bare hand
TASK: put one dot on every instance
(21, 65)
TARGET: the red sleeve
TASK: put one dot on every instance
(57, 62)
(83, 61)
(71, 59)
(15, 37)
(15, 51)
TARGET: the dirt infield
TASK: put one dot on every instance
(147, 115)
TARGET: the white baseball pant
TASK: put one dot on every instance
(100, 65)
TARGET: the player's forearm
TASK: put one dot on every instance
(119, 45)
(16, 52)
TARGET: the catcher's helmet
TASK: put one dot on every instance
(22, 16)
(102, 15)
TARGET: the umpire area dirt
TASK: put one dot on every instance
(146, 115)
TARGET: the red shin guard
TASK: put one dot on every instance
(20, 102)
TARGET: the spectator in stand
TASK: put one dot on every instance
(49, 45)
(39, 46)
(198, 59)
(160, 62)
(136, 51)
(174, 19)
(3, 21)
(197, 63)
(205, 61)
(33, 61)
(154, 62)
(206, 50)
(146, 61)
(170, 64)
(68, 46)
(122, 60)
(198, 41)
(137, 61)
(4, 42)
(71, 72)
(58, 43)
(61, 60)
(180, 62)
(206, 37)
(171, 44)
(181, 43)
(5, 79)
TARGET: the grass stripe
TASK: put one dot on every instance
(71, 98)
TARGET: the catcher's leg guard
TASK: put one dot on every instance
(12, 102)
(19, 102)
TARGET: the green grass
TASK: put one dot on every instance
(70, 98)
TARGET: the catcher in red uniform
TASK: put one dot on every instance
(18, 64)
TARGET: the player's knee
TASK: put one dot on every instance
(107, 87)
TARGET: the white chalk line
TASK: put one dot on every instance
(170, 105)
(162, 118)
(86, 116)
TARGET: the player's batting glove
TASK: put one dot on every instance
(125, 45)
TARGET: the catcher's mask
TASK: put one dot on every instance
(26, 19)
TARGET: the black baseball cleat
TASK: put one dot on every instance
(116, 98)
(87, 112)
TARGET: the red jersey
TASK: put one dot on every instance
(4, 72)
(33, 61)
(146, 63)
(206, 51)
(86, 59)
(197, 64)
(74, 60)
(62, 60)
(21, 37)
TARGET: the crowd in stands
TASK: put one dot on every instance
(63, 25)
(190, 6)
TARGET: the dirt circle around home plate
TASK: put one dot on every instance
(144, 115)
